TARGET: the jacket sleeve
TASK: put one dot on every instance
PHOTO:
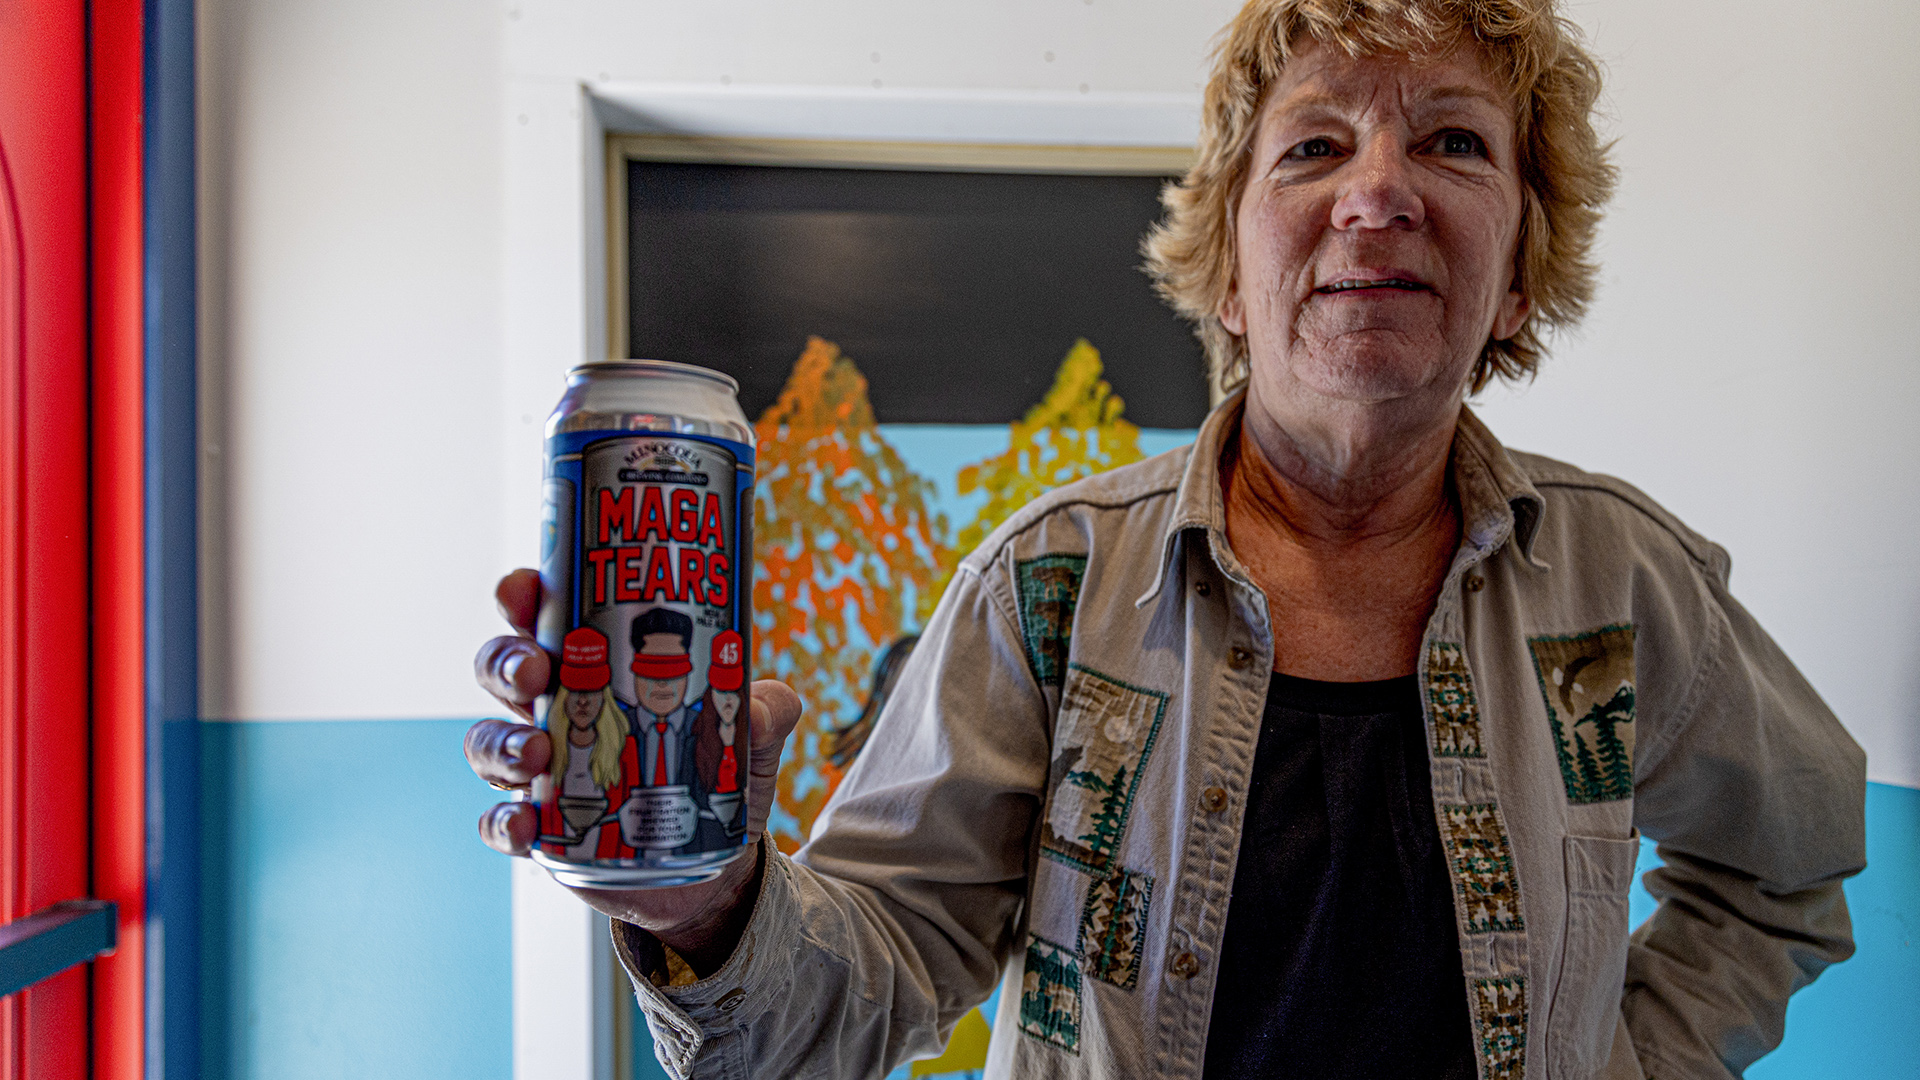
(1756, 800)
(868, 946)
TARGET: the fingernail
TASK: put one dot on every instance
(515, 744)
(511, 666)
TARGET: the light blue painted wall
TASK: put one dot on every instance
(353, 924)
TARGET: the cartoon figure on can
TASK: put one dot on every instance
(659, 814)
(586, 772)
(718, 750)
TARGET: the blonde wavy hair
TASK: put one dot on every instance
(609, 738)
(1564, 173)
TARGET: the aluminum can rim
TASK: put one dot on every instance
(675, 367)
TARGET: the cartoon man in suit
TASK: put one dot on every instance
(663, 724)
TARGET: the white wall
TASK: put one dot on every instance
(352, 291)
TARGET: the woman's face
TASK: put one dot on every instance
(582, 708)
(1375, 235)
(726, 706)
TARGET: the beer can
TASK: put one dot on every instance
(646, 569)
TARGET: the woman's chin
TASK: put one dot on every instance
(1374, 369)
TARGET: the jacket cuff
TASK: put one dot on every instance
(683, 1018)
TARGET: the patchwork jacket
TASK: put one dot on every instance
(1052, 800)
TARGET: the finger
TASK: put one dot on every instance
(776, 710)
(518, 596)
(503, 752)
(510, 828)
(513, 669)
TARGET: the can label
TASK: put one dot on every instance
(646, 563)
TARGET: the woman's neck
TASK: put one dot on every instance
(1348, 531)
(1339, 478)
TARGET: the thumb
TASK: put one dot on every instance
(776, 710)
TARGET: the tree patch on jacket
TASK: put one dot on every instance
(1587, 681)
(1050, 994)
(1102, 738)
(1113, 927)
(1049, 588)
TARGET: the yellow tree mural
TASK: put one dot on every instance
(846, 548)
(1074, 432)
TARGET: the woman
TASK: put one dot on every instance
(585, 764)
(716, 733)
(1362, 715)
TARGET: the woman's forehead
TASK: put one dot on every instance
(1322, 78)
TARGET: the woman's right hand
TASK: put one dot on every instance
(701, 922)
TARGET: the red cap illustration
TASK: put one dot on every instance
(729, 667)
(583, 660)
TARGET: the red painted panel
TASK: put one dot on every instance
(119, 723)
(43, 126)
(12, 576)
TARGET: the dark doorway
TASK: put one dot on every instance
(956, 293)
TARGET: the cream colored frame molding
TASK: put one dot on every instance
(847, 154)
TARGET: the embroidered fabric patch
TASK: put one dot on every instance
(1102, 738)
(1113, 927)
(1050, 994)
(1500, 1012)
(1587, 681)
(1049, 588)
(1482, 866)
(1450, 701)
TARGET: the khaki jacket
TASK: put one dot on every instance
(1052, 800)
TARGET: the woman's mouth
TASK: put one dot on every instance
(1395, 284)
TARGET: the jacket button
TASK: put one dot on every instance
(1213, 800)
(1184, 966)
(1238, 658)
(1204, 588)
(732, 1000)
(1475, 582)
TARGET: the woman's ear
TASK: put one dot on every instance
(1514, 309)
(1233, 313)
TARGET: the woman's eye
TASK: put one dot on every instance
(1460, 144)
(1312, 148)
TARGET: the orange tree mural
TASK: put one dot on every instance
(846, 550)
(850, 556)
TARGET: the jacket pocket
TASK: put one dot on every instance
(1593, 964)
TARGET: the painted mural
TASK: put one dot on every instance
(851, 552)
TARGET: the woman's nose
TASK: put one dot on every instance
(1378, 187)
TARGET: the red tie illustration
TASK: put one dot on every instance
(660, 756)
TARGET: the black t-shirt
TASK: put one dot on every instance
(1341, 959)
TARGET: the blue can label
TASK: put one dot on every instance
(647, 566)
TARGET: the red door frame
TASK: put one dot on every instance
(118, 555)
(43, 124)
(72, 754)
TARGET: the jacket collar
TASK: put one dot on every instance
(1497, 500)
